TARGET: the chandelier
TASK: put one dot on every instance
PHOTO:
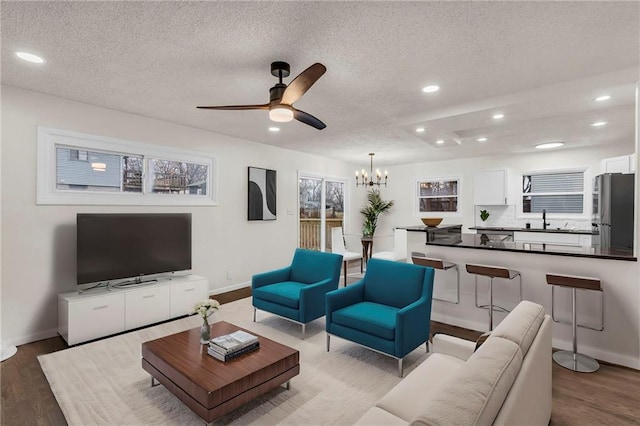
(365, 179)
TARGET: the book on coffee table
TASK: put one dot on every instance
(232, 342)
(232, 355)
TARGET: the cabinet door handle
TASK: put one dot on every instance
(189, 289)
(100, 307)
(148, 296)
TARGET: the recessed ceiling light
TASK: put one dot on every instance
(481, 139)
(549, 145)
(498, 116)
(599, 124)
(431, 88)
(439, 141)
(30, 57)
(603, 98)
(420, 130)
(274, 129)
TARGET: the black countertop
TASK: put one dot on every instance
(548, 230)
(506, 243)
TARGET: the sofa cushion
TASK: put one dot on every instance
(475, 393)
(371, 318)
(522, 327)
(285, 293)
(406, 399)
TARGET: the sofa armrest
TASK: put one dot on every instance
(453, 346)
(271, 277)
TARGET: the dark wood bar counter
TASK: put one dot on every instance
(506, 243)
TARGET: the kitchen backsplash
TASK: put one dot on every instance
(505, 216)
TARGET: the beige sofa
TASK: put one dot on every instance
(507, 381)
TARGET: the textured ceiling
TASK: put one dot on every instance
(540, 63)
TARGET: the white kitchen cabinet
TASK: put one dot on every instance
(490, 188)
(98, 313)
(552, 238)
(622, 164)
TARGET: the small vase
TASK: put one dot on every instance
(205, 332)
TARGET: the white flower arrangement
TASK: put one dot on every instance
(205, 308)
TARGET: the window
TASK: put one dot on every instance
(555, 192)
(76, 168)
(438, 195)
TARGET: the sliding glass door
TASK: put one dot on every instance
(321, 207)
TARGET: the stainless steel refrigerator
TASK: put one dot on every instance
(613, 215)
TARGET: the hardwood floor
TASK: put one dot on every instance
(610, 396)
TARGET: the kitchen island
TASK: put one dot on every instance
(507, 243)
(619, 343)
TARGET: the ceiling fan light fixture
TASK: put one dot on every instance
(280, 114)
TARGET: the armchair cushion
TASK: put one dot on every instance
(393, 283)
(310, 266)
(286, 293)
(371, 318)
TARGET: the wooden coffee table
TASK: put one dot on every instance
(212, 388)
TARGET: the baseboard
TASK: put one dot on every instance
(22, 340)
(229, 288)
(599, 354)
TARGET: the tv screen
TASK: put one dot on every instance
(115, 246)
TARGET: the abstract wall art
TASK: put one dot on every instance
(262, 194)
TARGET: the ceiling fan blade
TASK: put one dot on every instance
(302, 83)
(309, 119)
(236, 107)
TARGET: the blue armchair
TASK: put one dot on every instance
(297, 292)
(389, 310)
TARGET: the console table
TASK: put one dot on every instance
(102, 312)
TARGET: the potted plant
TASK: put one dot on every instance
(375, 207)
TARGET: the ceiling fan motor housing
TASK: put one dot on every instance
(280, 67)
(275, 93)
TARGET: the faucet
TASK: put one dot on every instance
(544, 219)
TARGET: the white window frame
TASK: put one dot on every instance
(48, 194)
(586, 194)
(416, 197)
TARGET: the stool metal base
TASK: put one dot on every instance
(580, 363)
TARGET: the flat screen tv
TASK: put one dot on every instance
(117, 246)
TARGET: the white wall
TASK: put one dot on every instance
(38, 242)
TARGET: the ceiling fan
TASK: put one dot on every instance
(282, 97)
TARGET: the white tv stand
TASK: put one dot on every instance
(102, 312)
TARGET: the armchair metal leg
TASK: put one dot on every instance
(254, 314)
(400, 370)
(328, 341)
(304, 326)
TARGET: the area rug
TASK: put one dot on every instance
(102, 383)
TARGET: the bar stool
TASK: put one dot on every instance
(492, 272)
(573, 360)
(421, 259)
